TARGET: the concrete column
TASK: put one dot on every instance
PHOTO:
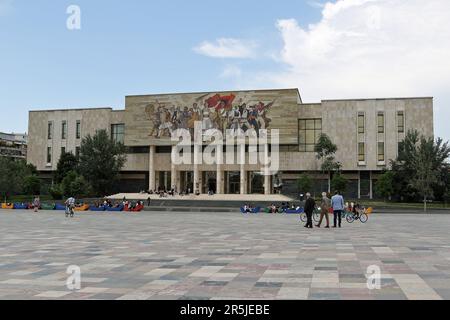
(219, 171)
(173, 173)
(243, 184)
(267, 187)
(151, 169)
(196, 179)
(359, 184)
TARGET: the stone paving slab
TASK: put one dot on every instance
(220, 256)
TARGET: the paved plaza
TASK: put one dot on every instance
(221, 256)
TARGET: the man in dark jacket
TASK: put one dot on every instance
(310, 204)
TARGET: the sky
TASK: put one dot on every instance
(328, 49)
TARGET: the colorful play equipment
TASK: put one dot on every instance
(7, 205)
(254, 210)
(138, 208)
(84, 207)
(62, 207)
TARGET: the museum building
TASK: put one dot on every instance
(367, 133)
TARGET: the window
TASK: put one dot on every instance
(64, 130)
(50, 130)
(117, 132)
(78, 130)
(361, 152)
(380, 151)
(401, 121)
(309, 133)
(77, 151)
(380, 122)
(361, 124)
(49, 155)
(63, 150)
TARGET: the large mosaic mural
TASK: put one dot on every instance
(213, 111)
(150, 119)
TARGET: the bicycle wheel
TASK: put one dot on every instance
(303, 217)
(316, 216)
(363, 217)
(350, 217)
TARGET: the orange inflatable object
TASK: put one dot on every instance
(7, 206)
(84, 207)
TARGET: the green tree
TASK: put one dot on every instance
(339, 182)
(421, 167)
(12, 176)
(385, 185)
(101, 160)
(67, 162)
(304, 183)
(75, 185)
(325, 152)
(32, 185)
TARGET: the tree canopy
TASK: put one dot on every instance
(101, 160)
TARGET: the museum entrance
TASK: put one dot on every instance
(233, 182)
(186, 182)
(256, 183)
(209, 179)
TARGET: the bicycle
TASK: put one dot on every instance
(360, 215)
(316, 215)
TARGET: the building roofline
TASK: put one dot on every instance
(76, 109)
(214, 91)
(377, 99)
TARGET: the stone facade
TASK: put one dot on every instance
(148, 120)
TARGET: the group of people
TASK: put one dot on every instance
(214, 112)
(273, 208)
(336, 203)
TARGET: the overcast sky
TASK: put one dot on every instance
(327, 49)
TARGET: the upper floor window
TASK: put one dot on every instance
(309, 133)
(49, 155)
(361, 152)
(380, 122)
(64, 130)
(401, 121)
(118, 132)
(380, 151)
(361, 123)
(50, 130)
(78, 129)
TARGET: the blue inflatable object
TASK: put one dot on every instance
(118, 209)
(290, 211)
(60, 207)
(20, 206)
(94, 208)
(255, 210)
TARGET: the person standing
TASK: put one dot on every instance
(337, 201)
(310, 204)
(36, 204)
(325, 206)
(70, 205)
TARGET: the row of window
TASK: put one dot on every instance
(63, 130)
(362, 152)
(63, 151)
(380, 122)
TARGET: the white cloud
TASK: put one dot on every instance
(367, 48)
(227, 48)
